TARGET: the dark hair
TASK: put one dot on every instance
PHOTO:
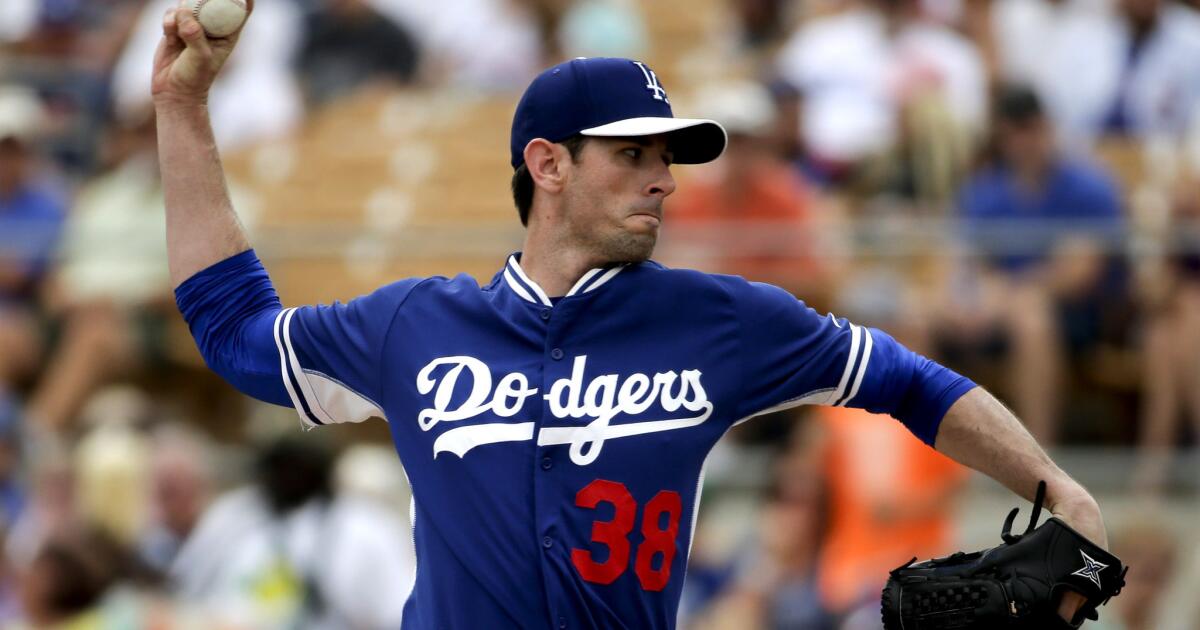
(294, 469)
(81, 564)
(522, 181)
(1017, 103)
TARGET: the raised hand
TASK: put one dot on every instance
(187, 61)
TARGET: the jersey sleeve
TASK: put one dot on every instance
(325, 361)
(791, 356)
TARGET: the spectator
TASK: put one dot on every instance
(602, 28)
(1170, 366)
(1140, 605)
(83, 579)
(112, 462)
(13, 493)
(115, 299)
(257, 96)
(348, 44)
(1045, 224)
(182, 470)
(776, 583)
(891, 498)
(751, 209)
(1134, 71)
(860, 66)
(32, 211)
(113, 266)
(67, 56)
(51, 508)
(17, 19)
(1023, 30)
(763, 22)
(287, 552)
(492, 44)
(68, 578)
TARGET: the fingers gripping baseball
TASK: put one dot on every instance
(188, 59)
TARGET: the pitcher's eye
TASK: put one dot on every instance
(633, 153)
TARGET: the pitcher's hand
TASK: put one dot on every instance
(187, 61)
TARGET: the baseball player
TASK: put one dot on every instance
(554, 423)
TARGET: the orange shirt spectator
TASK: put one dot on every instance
(751, 213)
(752, 220)
(890, 499)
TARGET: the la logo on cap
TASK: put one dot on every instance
(652, 84)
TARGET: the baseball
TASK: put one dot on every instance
(220, 18)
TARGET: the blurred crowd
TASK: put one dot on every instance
(1009, 186)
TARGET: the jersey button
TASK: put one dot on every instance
(545, 313)
(556, 354)
(547, 542)
(562, 623)
(547, 463)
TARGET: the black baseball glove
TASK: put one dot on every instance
(1015, 585)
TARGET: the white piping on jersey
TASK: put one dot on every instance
(412, 528)
(527, 289)
(830, 395)
(696, 504)
(306, 390)
(855, 340)
(608, 275)
(283, 370)
(818, 397)
(582, 281)
(320, 392)
(517, 288)
(516, 268)
(862, 368)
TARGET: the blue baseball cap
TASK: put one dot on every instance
(604, 96)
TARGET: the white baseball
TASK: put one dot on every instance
(220, 18)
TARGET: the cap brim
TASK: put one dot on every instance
(692, 140)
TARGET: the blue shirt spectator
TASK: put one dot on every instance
(1020, 208)
(31, 221)
(1018, 227)
(31, 213)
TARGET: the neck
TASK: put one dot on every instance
(554, 266)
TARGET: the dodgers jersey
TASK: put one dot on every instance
(555, 447)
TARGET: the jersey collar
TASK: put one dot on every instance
(529, 291)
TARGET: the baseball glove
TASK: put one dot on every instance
(1015, 585)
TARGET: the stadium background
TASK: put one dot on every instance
(1009, 186)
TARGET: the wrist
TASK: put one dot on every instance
(1082, 513)
(167, 104)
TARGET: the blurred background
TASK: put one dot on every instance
(1009, 186)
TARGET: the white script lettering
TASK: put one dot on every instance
(600, 400)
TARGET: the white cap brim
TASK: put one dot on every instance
(693, 140)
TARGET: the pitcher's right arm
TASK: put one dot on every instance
(324, 361)
(202, 227)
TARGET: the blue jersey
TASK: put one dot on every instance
(555, 447)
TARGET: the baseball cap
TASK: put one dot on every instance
(612, 97)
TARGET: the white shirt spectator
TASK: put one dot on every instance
(250, 568)
(855, 77)
(1085, 67)
(17, 19)
(473, 43)
(256, 96)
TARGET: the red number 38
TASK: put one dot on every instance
(658, 537)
